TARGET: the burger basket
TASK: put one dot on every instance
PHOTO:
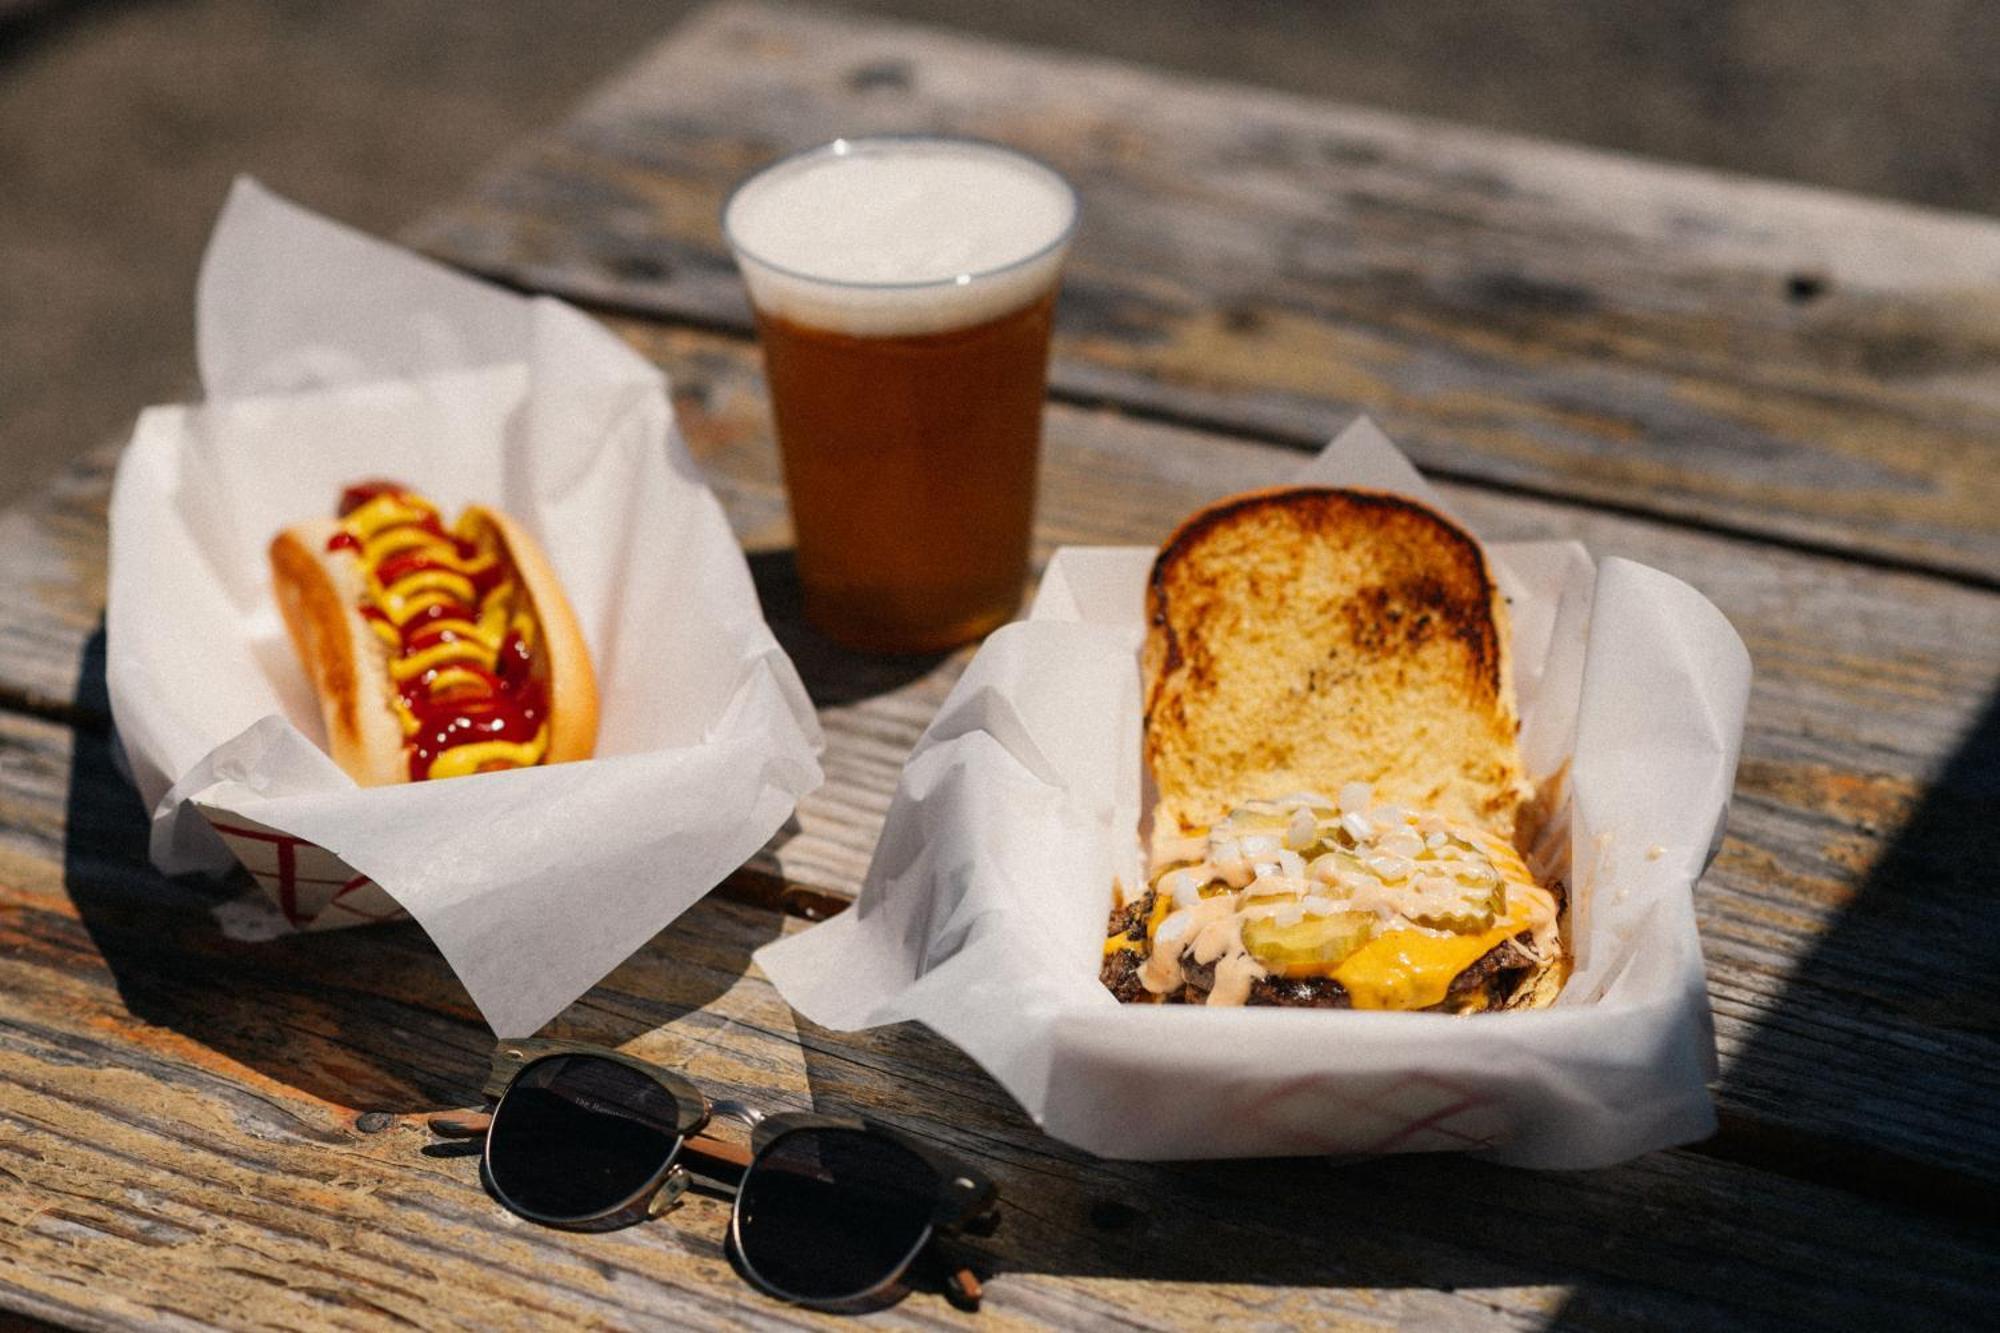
(984, 909)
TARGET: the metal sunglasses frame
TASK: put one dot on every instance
(966, 1200)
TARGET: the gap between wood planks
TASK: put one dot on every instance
(29, 703)
(1233, 430)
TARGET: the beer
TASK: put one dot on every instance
(903, 291)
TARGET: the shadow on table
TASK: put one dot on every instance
(370, 1018)
(832, 674)
(1744, 1224)
(1909, 959)
(26, 24)
(1427, 1221)
(1911, 955)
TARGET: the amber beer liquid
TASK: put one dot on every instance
(910, 462)
(904, 290)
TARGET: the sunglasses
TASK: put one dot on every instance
(831, 1213)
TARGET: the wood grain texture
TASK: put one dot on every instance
(1844, 923)
(1741, 354)
(199, 1131)
(52, 568)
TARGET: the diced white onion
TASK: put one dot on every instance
(1227, 858)
(1357, 826)
(1324, 868)
(1390, 868)
(1256, 846)
(1273, 887)
(1355, 797)
(1183, 886)
(1303, 831)
(1402, 841)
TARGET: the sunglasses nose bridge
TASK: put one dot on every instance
(741, 1112)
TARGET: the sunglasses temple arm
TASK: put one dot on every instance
(472, 1124)
(963, 1289)
(461, 1124)
(721, 1151)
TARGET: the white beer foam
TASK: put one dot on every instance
(885, 237)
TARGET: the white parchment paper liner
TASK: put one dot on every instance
(983, 912)
(327, 356)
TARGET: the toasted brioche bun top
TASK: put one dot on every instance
(1302, 638)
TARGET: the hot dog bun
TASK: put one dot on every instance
(370, 730)
(348, 666)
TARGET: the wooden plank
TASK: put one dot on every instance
(1845, 975)
(52, 571)
(199, 1130)
(1735, 353)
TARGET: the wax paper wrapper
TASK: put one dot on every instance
(327, 357)
(984, 911)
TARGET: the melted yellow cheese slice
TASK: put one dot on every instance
(1411, 969)
(1408, 969)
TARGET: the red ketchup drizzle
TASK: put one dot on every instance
(504, 705)
(511, 715)
(361, 492)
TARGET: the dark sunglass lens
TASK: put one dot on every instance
(828, 1214)
(577, 1135)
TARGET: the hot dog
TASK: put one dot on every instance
(434, 651)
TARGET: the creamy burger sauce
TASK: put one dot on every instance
(457, 628)
(1392, 904)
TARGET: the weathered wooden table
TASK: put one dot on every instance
(1789, 398)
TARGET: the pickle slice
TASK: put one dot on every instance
(1467, 912)
(1312, 946)
(1344, 861)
